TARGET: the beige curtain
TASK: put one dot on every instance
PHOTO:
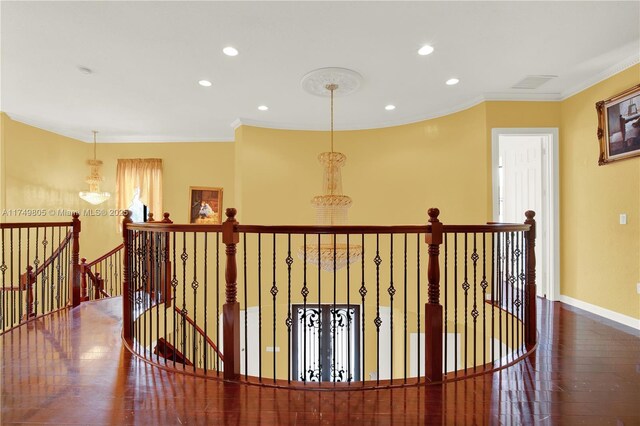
(143, 173)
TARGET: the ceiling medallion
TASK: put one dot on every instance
(347, 81)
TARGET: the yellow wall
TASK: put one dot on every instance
(393, 175)
(37, 173)
(46, 170)
(184, 165)
(600, 259)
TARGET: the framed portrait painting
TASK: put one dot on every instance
(619, 126)
(205, 205)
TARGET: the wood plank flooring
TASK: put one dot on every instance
(71, 368)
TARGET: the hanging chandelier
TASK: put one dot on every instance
(94, 195)
(332, 206)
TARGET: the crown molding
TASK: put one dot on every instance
(523, 97)
(609, 72)
(82, 136)
(358, 126)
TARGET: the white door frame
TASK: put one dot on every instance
(553, 191)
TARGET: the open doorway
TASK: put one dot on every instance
(525, 177)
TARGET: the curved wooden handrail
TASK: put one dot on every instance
(104, 256)
(54, 255)
(33, 225)
(170, 227)
(201, 332)
(488, 228)
(331, 229)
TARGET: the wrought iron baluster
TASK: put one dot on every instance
(349, 375)
(174, 285)
(260, 307)
(333, 315)
(512, 282)
(205, 345)
(455, 304)
(419, 306)
(194, 286)
(474, 311)
(320, 317)
(501, 242)
(217, 358)
(377, 321)
(446, 290)
(494, 273)
(465, 287)
(404, 356)
(484, 284)
(305, 293)
(363, 293)
(246, 306)
(392, 291)
(288, 321)
(274, 293)
(157, 280)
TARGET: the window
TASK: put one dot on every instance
(139, 184)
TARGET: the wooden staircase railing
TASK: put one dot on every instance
(479, 281)
(92, 281)
(35, 277)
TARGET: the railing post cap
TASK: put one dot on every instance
(530, 214)
(231, 213)
(150, 218)
(165, 218)
(433, 214)
(127, 216)
(83, 260)
(75, 215)
(29, 268)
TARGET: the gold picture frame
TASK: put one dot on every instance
(205, 205)
(619, 126)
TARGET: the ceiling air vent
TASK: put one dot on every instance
(533, 81)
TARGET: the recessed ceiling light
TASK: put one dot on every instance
(452, 81)
(425, 50)
(390, 107)
(230, 51)
(204, 83)
(263, 108)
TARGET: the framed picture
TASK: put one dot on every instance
(619, 126)
(205, 205)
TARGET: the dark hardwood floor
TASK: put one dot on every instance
(71, 368)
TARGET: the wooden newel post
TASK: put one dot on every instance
(83, 280)
(433, 310)
(127, 297)
(231, 309)
(75, 262)
(530, 314)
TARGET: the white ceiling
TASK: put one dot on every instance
(147, 58)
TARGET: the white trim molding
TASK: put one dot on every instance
(609, 72)
(602, 312)
(553, 156)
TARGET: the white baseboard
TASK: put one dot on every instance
(600, 311)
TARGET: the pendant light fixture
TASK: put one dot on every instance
(94, 195)
(332, 205)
